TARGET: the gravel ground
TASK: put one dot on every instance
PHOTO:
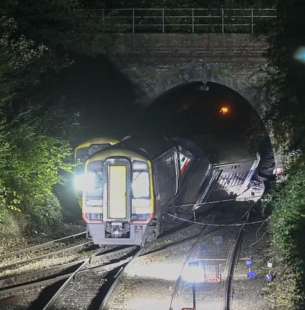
(250, 294)
(81, 293)
(11, 243)
(150, 281)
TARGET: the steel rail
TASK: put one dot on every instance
(39, 275)
(13, 291)
(104, 268)
(232, 259)
(41, 245)
(190, 253)
(46, 276)
(193, 247)
(117, 277)
(52, 301)
(50, 254)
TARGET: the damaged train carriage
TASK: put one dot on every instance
(131, 185)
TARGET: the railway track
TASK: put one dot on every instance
(91, 280)
(40, 247)
(53, 286)
(91, 283)
(231, 263)
(50, 249)
(224, 295)
(32, 277)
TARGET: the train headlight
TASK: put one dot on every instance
(85, 182)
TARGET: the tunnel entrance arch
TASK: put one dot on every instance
(157, 63)
(217, 118)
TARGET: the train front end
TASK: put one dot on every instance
(118, 198)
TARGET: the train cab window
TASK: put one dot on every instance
(140, 180)
(166, 175)
(140, 184)
(94, 192)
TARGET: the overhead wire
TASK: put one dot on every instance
(190, 204)
(217, 224)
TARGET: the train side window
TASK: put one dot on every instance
(165, 168)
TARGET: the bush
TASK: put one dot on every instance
(46, 214)
(32, 164)
(288, 226)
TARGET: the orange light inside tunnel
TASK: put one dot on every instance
(224, 110)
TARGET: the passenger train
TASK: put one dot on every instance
(88, 148)
(130, 185)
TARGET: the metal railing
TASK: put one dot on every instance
(189, 20)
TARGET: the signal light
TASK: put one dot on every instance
(224, 110)
(300, 54)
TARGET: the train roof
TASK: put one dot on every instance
(149, 147)
(97, 140)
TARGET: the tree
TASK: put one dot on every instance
(36, 43)
(286, 83)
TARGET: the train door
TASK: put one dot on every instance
(117, 202)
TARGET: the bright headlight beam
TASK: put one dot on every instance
(85, 182)
(193, 273)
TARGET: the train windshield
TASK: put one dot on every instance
(140, 184)
(140, 180)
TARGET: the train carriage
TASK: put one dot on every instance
(88, 148)
(83, 152)
(130, 185)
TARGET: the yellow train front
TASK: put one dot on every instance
(118, 201)
(129, 187)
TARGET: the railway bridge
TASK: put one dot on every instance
(159, 49)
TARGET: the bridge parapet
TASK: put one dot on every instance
(189, 20)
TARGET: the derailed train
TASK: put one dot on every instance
(130, 186)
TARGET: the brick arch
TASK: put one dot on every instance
(177, 90)
(156, 63)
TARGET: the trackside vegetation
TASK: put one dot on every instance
(53, 95)
(288, 226)
(36, 40)
(286, 86)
